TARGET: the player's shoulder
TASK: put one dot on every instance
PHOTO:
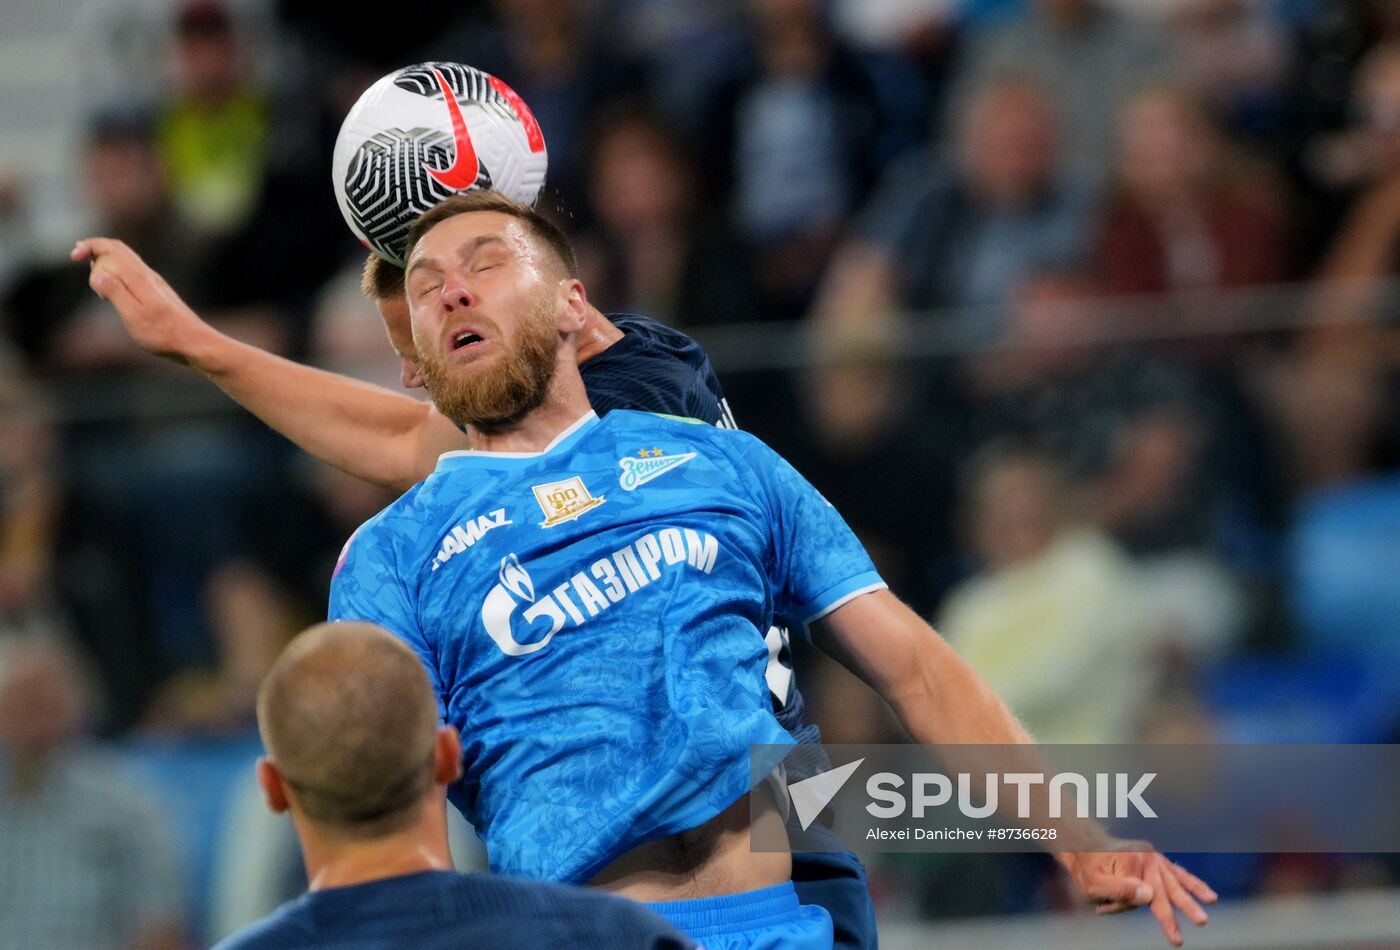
(654, 344)
(285, 928)
(651, 329)
(686, 426)
(736, 444)
(404, 519)
(603, 919)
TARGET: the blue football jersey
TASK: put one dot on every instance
(592, 617)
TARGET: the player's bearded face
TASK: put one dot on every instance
(493, 396)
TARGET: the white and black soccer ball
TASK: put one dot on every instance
(424, 133)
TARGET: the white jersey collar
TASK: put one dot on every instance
(583, 423)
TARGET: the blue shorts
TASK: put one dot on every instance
(767, 919)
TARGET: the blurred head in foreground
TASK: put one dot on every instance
(354, 750)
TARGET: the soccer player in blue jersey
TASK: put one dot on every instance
(356, 756)
(589, 597)
(626, 361)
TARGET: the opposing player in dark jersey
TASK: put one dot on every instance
(627, 362)
(356, 756)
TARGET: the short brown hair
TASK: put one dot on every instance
(381, 279)
(479, 200)
(350, 720)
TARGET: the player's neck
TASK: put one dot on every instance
(566, 403)
(597, 335)
(333, 861)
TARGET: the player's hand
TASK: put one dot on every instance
(153, 314)
(1134, 875)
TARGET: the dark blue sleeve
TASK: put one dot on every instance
(670, 391)
(654, 368)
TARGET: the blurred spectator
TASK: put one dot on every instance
(1190, 211)
(1133, 437)
(214, 130)
(1088, 55)
(347, 333)
(1368, 244)
(965, 231)
(245, 140)
(252, 618)
(1146, 450)
(654, 250)
(796, 140)
(127, 468)
(30, 508)
(892, 24)
(1332, 398)
(1333, 40)
(1058, 622)
(689, 49)
(13, 198)
(52, 317)
(270, 580)
(343, 44)
(552, 53)
(856, 415)
(54, 580)
(86, 860)
(1368, 152)
(1233, 57)
(1332, 394)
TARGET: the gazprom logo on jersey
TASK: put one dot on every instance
(588, 593)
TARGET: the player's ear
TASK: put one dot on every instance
(574, 305)
(447, 756)
(274, 787)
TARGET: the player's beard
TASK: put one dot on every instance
(492, 400)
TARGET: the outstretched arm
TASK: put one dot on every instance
(942, 701)
(380, 436)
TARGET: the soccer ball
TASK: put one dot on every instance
(424, 133)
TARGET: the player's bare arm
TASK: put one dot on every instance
(941, 700)
(330, 416)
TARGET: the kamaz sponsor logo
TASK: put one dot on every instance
(465, 535)
(607, 581)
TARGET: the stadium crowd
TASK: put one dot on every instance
(1082, 312)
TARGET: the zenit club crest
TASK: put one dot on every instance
(564, 501)
(650, 464)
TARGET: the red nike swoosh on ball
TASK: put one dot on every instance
(462, 173)
(533, 135)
